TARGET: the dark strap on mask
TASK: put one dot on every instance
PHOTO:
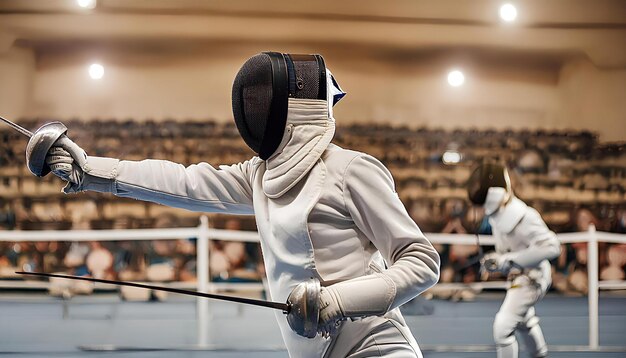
(322, 68)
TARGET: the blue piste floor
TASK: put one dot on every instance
(35, 325)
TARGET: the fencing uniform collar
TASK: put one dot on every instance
(494, 199)
(508, 216)
(309, 130)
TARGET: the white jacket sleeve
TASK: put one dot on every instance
(543, 245)
(380, 215)
(198, 187)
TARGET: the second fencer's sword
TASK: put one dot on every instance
(17, 127)
(285, 307)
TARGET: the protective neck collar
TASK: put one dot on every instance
(508, 216)
(310, 128)
(494, 199)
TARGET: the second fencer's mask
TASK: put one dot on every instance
(489, 186)
(261, 93)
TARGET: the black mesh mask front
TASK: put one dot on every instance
(260, 95)
(252, 98)
(487, 175)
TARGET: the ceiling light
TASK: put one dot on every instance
(456, 78)
(96, 71)
(508, 12)
(86, 4)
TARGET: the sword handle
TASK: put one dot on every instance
(77, 153)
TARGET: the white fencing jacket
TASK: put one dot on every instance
(523, 236)
(335, 220)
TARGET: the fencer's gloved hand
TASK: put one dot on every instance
(495, 262)
(67, 160)
(330, 312)
(364, 296)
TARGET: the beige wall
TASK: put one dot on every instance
(17, 68)
(420, 96)
(592, 98)
(187, 83)
(139, 86)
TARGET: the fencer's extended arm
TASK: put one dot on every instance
(378, 212)
(198, 187)
(544, 245)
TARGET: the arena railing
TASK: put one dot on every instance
(203, 233)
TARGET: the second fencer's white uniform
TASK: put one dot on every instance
(526, 241)
(321, 211)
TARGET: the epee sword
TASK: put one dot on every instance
(285, 307)
(301, 308)
(40, 142)
(17, 127)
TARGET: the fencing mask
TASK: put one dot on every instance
(488, 186)
(261, 91)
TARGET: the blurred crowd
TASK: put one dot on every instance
(134, 260)
(571, 178)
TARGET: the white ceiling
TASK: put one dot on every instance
(550, 29)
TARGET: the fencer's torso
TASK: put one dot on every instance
(308, 232)
(341, 251)
(519, 229)
(508, 228)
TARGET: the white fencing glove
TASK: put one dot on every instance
(370, 295)
(67, 160)
(330, 313)
(495, 262)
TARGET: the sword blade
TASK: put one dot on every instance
(17, 127)
(248, 301)
(471, 262)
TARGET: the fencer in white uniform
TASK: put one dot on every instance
(322, 211)
(524, 244)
